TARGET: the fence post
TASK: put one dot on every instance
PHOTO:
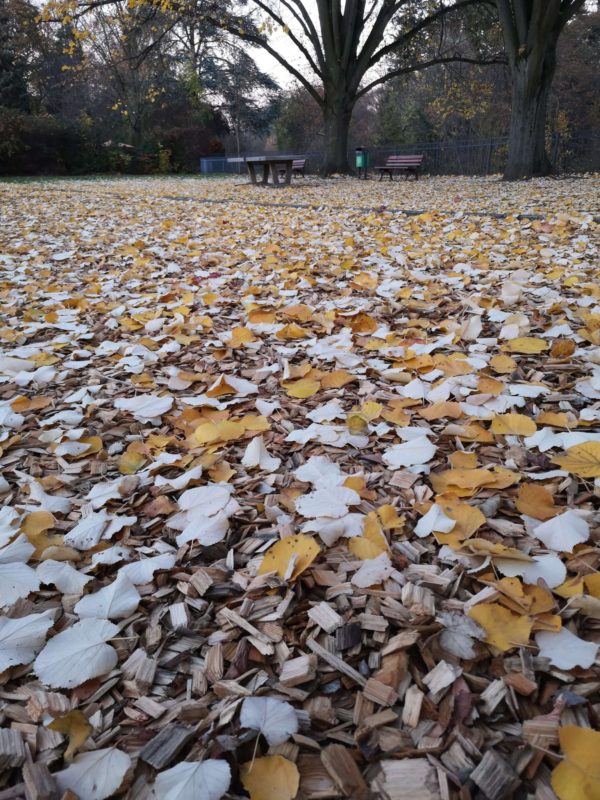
(488, 161)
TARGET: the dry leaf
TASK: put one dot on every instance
(76, 727)
(270, 778)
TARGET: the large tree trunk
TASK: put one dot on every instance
(527, 155)
(337, 115)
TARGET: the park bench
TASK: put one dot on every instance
(406, 164)
(298, 167)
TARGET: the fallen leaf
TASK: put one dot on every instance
(270, 778)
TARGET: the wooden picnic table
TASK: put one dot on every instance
(272, 164)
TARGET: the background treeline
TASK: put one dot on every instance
(138, 92)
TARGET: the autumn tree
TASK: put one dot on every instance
(350, 48)
(531, 30)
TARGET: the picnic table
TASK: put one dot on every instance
(272, 164)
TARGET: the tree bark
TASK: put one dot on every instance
(527, 155)
(336, 116)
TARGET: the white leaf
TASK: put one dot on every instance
(53, 503)
(332, 502)
(330, 530)
(71, 449)
(256, 455)
(211, 498)
(565, 650)
(434, 520)
(94, 775)
(88, 531)
(205, 530)
(19, 550)
(8, 518)
(145, 407)
(118, 600)
(194, 780)
(265, 408)
(21, 639)
(63, 576)
(182, 481)
(549, 567)
(101, 493)
(140, 572)
(459, 631)
(409, 454)
(112, 555)
(321, 472)
(275, 719)
(16, 578)
(563, 532)
(77, 654)
(373, 570)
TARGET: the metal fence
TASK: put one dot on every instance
(576, 152)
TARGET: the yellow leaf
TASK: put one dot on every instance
(291, 555)
(130, 462)
(388, 515)
(356, 423)
(558, 419)
(503, 365)
(302, 389)
(592, 584)
(258, 316)
(292, 331)
(76, 726)
(527, 344)
(364, 280)
(37, 522)
(337, 379)
(463, 460)
(270, 778)
(562, 348)
(372, 542)
(468, 519)
(240, 337)
(35, 526)
(504, 629)
(570, 588)
(578, 776)
(536, 502)
(210, 432)
(513, 425)
(582, 460)
(445, 408)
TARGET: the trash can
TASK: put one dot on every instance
(362, 161)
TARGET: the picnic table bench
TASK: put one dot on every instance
(274, 165)
(408, 164)
(298, 167)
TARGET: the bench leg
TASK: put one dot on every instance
(252, 173)
(275, 174)
(288, 174)
(265, 175)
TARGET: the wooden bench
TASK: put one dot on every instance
(406, 164)
(298, 167)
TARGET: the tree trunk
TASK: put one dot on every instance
(527, 155)
(337, 116)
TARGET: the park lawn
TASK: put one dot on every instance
(297, 444)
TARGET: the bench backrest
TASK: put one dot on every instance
(404, 161)
(299, 164)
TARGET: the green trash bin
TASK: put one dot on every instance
(362, 161)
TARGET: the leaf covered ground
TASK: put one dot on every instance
(300, 493)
